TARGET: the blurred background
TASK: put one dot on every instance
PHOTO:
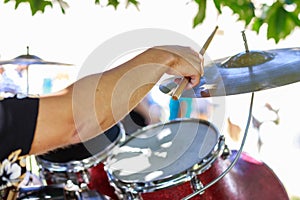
(274, 136)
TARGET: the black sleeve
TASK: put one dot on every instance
(17, 124)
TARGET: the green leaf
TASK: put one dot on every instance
(280, 22)
(243, 8)
(297, 9)
(218, 5)
(39, 5)
(35, 5)
(63, 5)
(113, 3)
(200, 16)
(294, 17)
(97, 1)
(134, 2)
(257, 23)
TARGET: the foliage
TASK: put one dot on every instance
(281, 17)
(35, 5)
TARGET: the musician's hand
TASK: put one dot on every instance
(186, 62)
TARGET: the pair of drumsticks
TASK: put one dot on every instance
(179, 89)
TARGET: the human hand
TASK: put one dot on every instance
(186, 62)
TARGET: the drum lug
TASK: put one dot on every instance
(127, 193)
(195, 182)
(85, 176)
(71, 191)
(226, 153)
(132, 196)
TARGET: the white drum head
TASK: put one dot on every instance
(161, 151)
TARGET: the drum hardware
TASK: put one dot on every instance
(128, 195)
(204, 165)
(244, 72)
(85, 177)
(87, 194)
(196, 184)
(71, 191)
(59, 178)
(93, 195)
(226, 152)
(200, 191)
(74, 192)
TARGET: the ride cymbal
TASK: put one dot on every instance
(29, 60)
(245, 72)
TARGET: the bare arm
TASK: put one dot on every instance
(96, 102)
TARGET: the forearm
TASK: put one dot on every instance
(109, 96)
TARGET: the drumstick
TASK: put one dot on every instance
(178, 91)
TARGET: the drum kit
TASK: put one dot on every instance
(179, 159)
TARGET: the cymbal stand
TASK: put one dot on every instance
(233, 162)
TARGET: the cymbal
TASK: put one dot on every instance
(28, 59)
(244, 73)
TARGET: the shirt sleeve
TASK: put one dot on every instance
(17, 125)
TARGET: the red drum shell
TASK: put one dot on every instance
(249, 179)
(99, 181)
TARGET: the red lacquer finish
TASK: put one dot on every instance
(250, 179)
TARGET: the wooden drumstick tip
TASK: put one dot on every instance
(181, 86)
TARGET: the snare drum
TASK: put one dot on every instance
(172, 160)
(74, 162)
(163, 155)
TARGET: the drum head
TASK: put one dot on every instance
(161, 151)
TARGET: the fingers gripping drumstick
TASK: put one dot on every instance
(178, 91)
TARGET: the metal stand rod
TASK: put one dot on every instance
(245, 42)
(235, 159)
